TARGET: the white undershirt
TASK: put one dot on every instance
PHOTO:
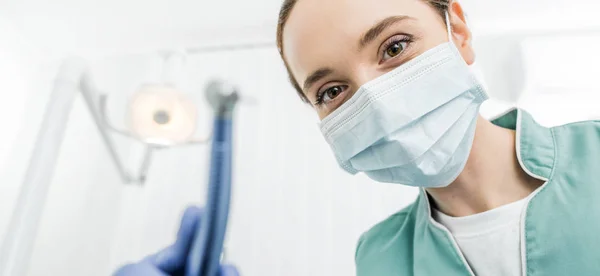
(490, 241)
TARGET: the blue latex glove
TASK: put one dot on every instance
(171, 260)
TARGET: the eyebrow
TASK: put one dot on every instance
(378, 28)
(316, 76)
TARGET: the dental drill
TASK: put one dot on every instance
(205, 255)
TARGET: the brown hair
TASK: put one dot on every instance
(441, 6)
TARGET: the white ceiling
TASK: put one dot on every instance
(141, 15)
(118, 24)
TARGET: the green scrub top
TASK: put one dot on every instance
(560, 227)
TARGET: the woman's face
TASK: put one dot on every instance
(335, 46)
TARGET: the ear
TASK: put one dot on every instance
(461, 33)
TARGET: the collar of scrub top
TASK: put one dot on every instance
(535, 152)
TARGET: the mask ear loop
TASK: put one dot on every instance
(448, 27)
(457, 52)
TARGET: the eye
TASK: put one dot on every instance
(393, 47)
(329, 94)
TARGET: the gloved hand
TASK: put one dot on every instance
(171, 261)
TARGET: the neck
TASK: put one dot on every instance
(491, 178)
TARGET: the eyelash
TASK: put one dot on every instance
(319, 100)
(320, 95)
(393, 40)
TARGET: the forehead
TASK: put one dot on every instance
(325, 32)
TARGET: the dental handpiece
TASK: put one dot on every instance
(205, 254)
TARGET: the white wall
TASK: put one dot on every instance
(20, 109)
(562, 84)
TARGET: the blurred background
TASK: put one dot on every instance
(293, 211)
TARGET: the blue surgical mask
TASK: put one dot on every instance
(414, 125)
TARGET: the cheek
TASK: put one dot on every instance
(433, 40)
(322, 114)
